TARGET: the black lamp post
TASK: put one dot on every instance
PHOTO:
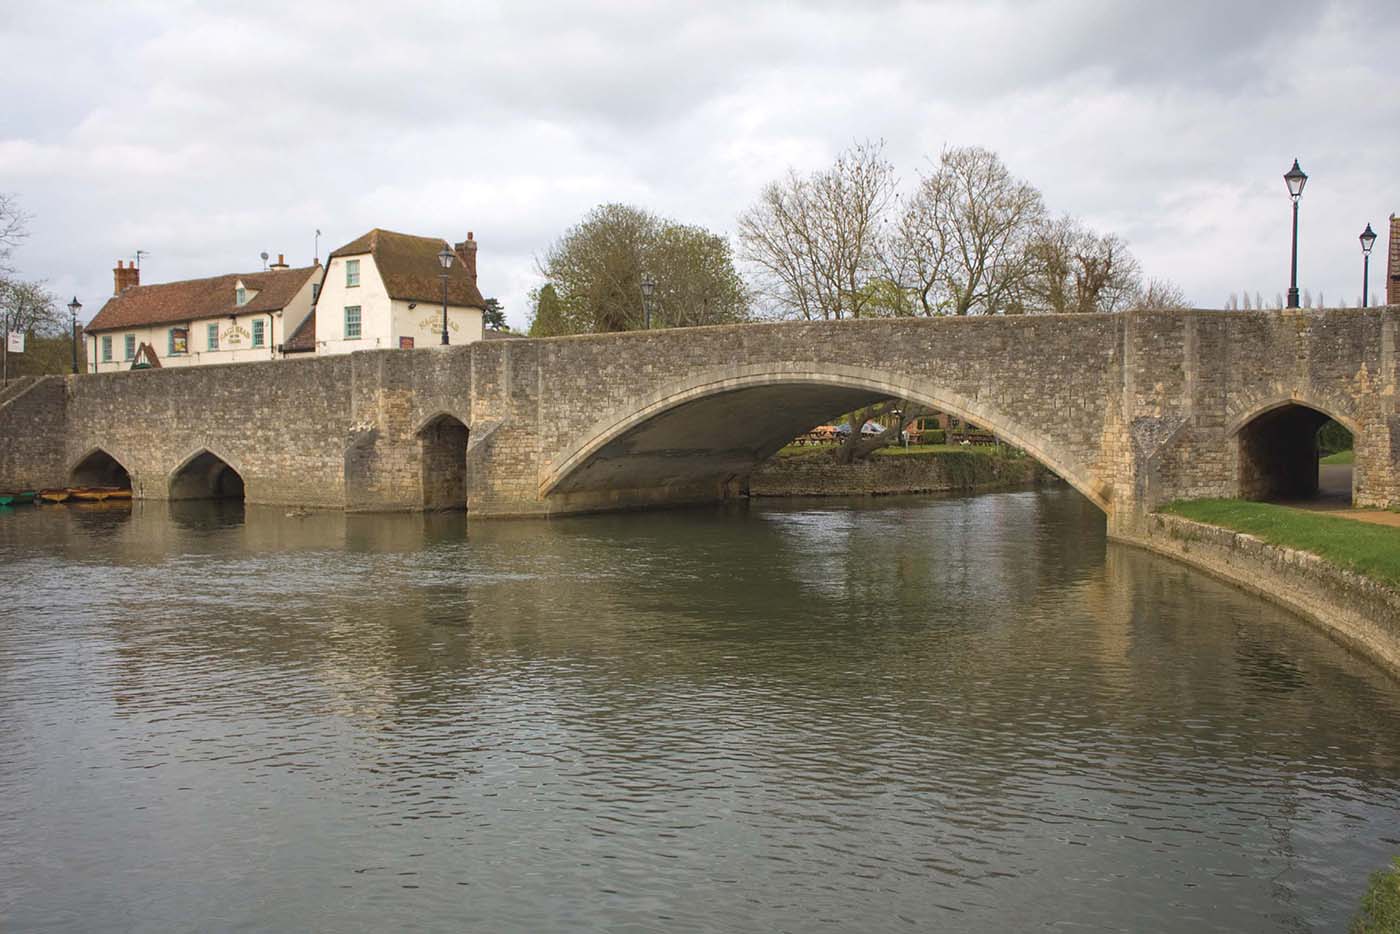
(74, 307)
(1368, 240)
(445, 257)
(1296, 179)
(648, 290)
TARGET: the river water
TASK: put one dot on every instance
(969, 714)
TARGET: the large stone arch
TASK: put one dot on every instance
(608, 436)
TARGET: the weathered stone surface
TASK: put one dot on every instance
(820, 475)
(1133, 409)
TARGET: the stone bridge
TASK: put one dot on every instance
(1133, 410)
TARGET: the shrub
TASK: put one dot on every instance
(934, 436)
(1380, 906)
(1332, 437)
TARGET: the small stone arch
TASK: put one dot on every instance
(1277, 448)
(442, 447)
(206, 475)
(98, 468)
(611, 433)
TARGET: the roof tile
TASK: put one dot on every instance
(410, 268)
(191, 299)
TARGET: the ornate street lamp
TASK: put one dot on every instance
(74, 307)
(445, 258)
(648, 290)
(1368, 240)
(1295, 178)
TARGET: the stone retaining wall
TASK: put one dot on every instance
(819, 475)
(1356, 610)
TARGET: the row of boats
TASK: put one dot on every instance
(75, 494)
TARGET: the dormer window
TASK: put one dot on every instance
(240, 297)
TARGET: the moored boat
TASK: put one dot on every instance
(97, 494)
(53, 496)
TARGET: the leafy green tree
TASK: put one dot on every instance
(493, 316)
(548, 319)
(596, 270)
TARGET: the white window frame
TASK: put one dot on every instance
(240, 296)
(352, 273)
(359, 323)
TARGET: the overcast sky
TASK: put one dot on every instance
(206, 133)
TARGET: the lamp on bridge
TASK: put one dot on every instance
(1368, 240)
(1296, 178)
(648, 290)
(74, 307)
(445, 258)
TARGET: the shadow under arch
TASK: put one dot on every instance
(205, 475)
(442, 445)
(98, 468)
(717, 427)
(1278, 457)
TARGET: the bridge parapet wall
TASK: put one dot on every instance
(280, 424)
(1134, 409)
(33, 427)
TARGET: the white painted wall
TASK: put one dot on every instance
(370, 295)
(383, 320)
(235, 337)
(424, 324)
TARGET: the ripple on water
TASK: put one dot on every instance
(870, 717)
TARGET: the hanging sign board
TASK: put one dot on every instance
(16, 342)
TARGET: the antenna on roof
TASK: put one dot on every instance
(316, 252)
(263, 254)
(139, 254)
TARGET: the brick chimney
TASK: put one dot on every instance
(1392, 279)
(280, 264)
(466, 250)
(125, 277)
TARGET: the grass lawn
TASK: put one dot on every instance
(1341, 457)
(1373, 550)
(802, 450)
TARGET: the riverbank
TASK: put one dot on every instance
(1343, 576)
(930, 469)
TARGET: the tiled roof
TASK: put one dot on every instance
(303, 339)
(173, 302)
(410, 269)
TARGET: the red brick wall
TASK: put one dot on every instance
(1392, 278)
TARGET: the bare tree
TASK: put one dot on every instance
(1072, 269)
(986, 218)
(14, 228)
(1160, 295)
(814, 240)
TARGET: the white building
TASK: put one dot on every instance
(385, 290)
(233, 318)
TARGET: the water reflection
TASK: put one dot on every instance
(971, 712)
